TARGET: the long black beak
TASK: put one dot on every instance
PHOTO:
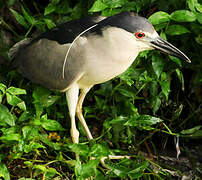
(168, 48)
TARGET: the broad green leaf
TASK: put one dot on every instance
(28, 17)
(176, 60)
(50, 125)
(29, 132)
(190, 131)
(97, 6)
(143, 121)
(199, 7)
(20, 18)
(119, 120)
(98, 150)
(183, 16)
(176, 30)
(156, 103)
(157, 64)
(4, 173)
(11, 137)
(16, 91)
(40, 167)
(81, 149)
(191, 4)
(165, 85)
(6, 116)
(32, 146)
(15, 101)
(159, 17)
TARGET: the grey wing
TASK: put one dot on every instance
(41, 60)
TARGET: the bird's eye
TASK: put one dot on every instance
(139, 35)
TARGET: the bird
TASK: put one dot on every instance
(76, 55)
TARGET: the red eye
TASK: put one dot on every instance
(139, 35)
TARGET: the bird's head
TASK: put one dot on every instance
(144, 34)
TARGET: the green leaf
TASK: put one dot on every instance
(156, 103)
(165, 85)
(15, 101)
(181, 77)
(98, 150)
(5, 116)
(157, 64)
(199, 17)
(50, 24)
(20, 18)
(97, 6)
(137, 172)
(16, 91)
(191, 130)
(63, 8)
(119, 120)
(28, 17)
(3, 88)
(191, 4)
(29, 132)
(11, 137)
(49, 9)
(176, 60)
(32, 146)
(115, 3)
(143, 121)
(176, 30)
(81, 149)
(50, 125)
(4, 172)
(183, 16)
(159, 17)
(199, 7)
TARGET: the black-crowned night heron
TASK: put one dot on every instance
(81, 53)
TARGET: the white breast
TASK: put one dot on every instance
(107, 56)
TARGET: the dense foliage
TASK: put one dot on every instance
(156, 100)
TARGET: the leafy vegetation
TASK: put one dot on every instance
(158, 98)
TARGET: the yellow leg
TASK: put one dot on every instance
(79, 112)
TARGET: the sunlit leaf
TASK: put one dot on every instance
(5, 116)
(4, 173)
(50, 125)
(183, 16)
(16, 91)
(10, 137)
(97, 6)
(159, 17)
